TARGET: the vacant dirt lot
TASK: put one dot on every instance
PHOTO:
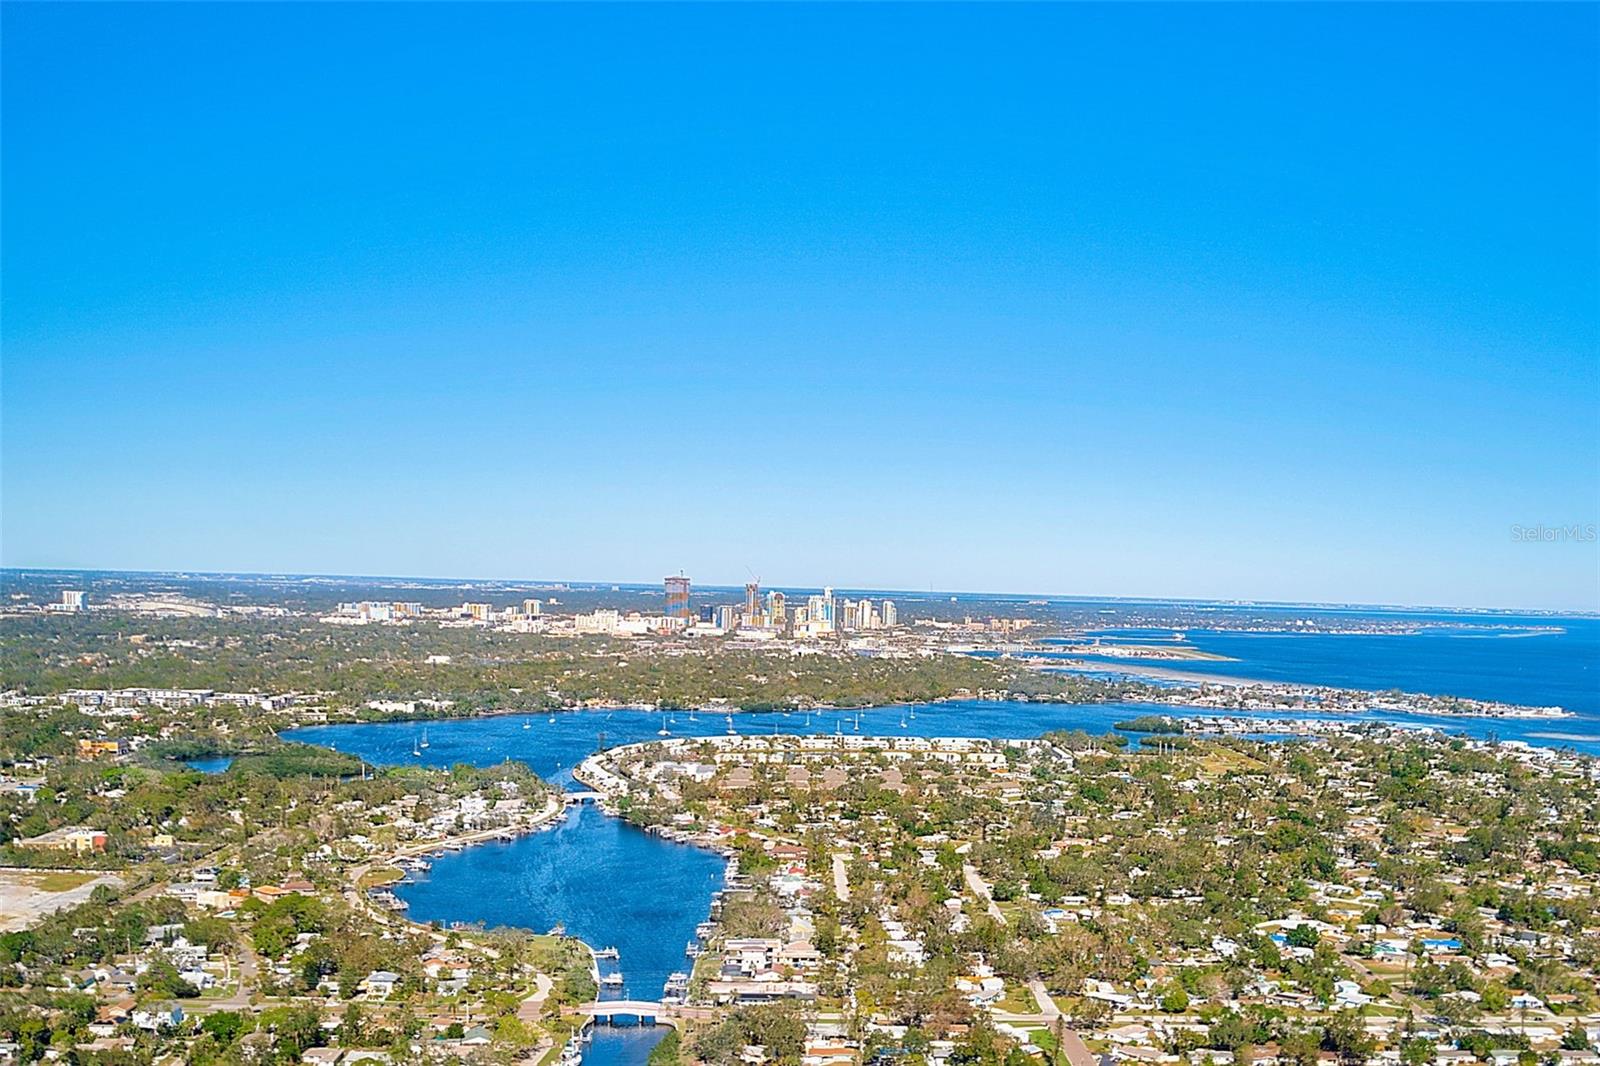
(28, 895)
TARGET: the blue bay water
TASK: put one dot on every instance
(553, 744)
(1519, 664)
(610, 884)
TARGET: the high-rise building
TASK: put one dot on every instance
(752, 601)
(677, 597)
(891, 617)
(531, 608)
(72, 599)
(827, 605)
(814, 609)
(776, 613)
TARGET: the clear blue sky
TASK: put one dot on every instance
(1273, 301)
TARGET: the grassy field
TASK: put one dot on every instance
(1219, 760)
(381, 875)
(58, 880)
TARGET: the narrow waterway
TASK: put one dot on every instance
(610, 884)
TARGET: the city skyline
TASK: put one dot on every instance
(735, 589)
(1292, 304)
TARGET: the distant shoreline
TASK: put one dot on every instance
(1482, 708)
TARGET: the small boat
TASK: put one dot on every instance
(552, 719)
(414, 749)
(902, 721)
(663, 731)
(731, 730)
(607, 953)
(692, 950)
(424, 737)
(612, 980)
(527, 724)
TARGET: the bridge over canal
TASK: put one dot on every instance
(644, 1011)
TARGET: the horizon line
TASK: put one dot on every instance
(1083, 597)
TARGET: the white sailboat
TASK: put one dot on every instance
(663, 731)
(424, 736)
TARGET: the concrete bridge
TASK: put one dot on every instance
(648, 1012)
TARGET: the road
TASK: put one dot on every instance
(841, 879)
(240, 999)
(530, 1009)
(981, 889)
(1041, 996)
